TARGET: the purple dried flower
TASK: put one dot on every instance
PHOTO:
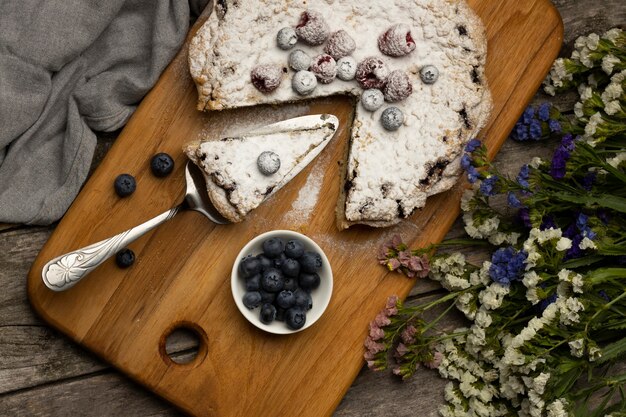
(404, 257)
(524, 215)
(435, 362)
(588, 180)
(373, 346)
(561, 156)
(408, 334)
(376, 333)
(419, 265)
(391, 309)
(548, 223)
(401, 350)
(381, 320)
(393, 264)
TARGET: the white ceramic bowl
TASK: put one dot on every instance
(321, 295)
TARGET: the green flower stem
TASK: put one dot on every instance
(435, 321)
(604, 308)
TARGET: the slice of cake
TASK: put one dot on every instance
(241, 172)
(414, 67)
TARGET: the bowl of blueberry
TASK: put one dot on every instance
(282, 282)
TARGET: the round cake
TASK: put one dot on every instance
(426, 56)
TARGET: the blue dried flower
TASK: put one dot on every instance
(604, 295)
(524, 215)
(472, 145)
(514, 201)
(561, 156)
(529, 115)
(583, 227)
(472, 174)
(489, 186)
(544, 112)
(520, 132)
(548, 223)
(535, 130)
(466, 161)
(555, 126)
(523, 176)
(588, 180)
(507, 265)
(543, 304)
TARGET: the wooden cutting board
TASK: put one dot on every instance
(181, 277)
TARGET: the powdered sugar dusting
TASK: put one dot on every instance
(304, 204)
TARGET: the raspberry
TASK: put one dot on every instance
(325, 68)
(340, 44)
(266, 78)
(397, 86)
(371, 73)
(396, 41)
(346, 68)
(312, 28)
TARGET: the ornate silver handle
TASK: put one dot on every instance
(65, 271)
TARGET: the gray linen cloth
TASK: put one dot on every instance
(68, 67)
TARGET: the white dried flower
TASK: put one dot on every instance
(613, 107)
(563, 244)
(532, 296)
(613, 35)
(577, 348)
(613, 91)
(531, 279)
(594, 353)
(585, 92)
(466, 198)
(592, 41)
(587, 243)
(578, 110)
(585, 57)
(491, 297)
(608, 63)
(558, 408)
(617, 160)
(592, 125)
(568, 309)
(483, 318)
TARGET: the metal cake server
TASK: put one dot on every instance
(65, 271)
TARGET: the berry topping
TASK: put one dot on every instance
(304, 82)
(303, 299)
(324, 67)
(253, 283)
(309, 282)
(285, 299)
(266, 78)
(295, 318)
(291, 267)
(429, 74)
(397, 86)
(272, 280)
(312, 28)
(273, 247)
(249, 266)
(340, 44)
(265, 262)
(392, 118)
(286, 38)
(396, 41)
(268, 313)
(267, 297)
(278, 262)
(252, 299)
(268, 163)
(125, 258)
(371, 73)
(311, 262)
(294, 249)
(291, 284)
(124, 185)
(372, 99)
(346, 68)
(299, 60)
(161, 165)
(280, 314)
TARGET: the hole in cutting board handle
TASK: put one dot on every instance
(184, 344)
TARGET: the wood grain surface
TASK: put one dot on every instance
(182, 273)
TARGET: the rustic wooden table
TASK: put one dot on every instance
(44, 374)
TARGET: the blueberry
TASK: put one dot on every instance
(392, 118)
(278, 262)
(266, 262)
(303, 299)
(253, 283)
(291, 267)
(295, 318)
(291, 284)
(267, 297)
(272, 280)
(161, 165)
(273, 247)
(125, 258)
(268, 313)
(285, 299)
(429, 74)
(311, 262)
(280, 314)
(252, 299)
(294, 249)
(125, 185)
(250, 266)
(309, 281)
